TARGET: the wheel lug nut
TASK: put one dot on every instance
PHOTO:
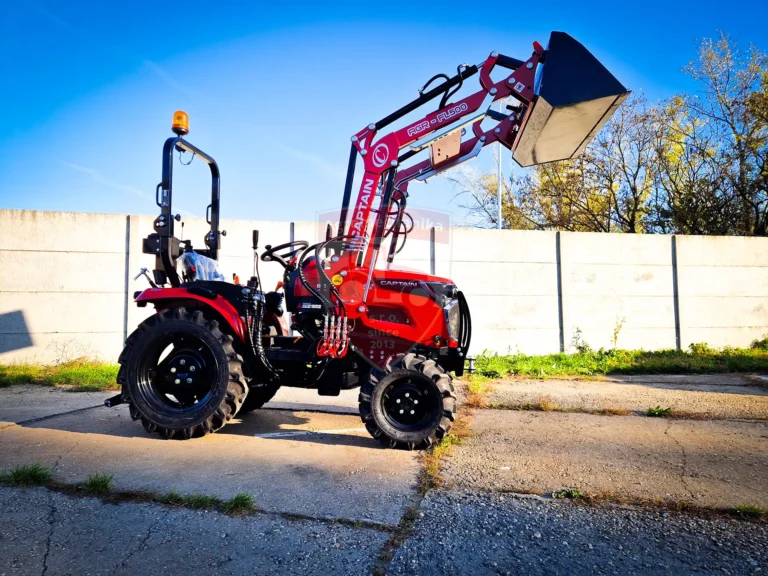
(182, 362)
(191, 368)
(173, 370)
(415, 401)
(177, 381)
(401, 411)
(413, 412)
(398, 400)
(407, 394)
(189, 380)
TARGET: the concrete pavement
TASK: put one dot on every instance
(708, 463)
(43, 532)
(311, 456)
(716, 396)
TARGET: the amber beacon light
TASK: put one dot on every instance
(180, 124)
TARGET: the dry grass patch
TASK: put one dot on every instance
(432, 458)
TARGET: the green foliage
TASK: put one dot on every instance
(196, 501)
(97, 484)
(700, 348)
(699, 359)
(658, 412)
(761, 344)
(240, 504)
(569, 493)
(82, 375)
(29, 475)
(750, 510)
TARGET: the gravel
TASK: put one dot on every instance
(485, 533)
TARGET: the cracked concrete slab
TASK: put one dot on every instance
(30, 402)
(719, 396)
(709, 463)
(44, 532)
(298, 462)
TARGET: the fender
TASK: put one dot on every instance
(219, 305)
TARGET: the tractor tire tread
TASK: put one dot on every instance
(233, 398)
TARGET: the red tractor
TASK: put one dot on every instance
(216, 348)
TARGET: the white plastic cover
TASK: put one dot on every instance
(205, 268)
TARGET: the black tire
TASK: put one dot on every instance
(258, 396)
(410, 377)
(166, 407)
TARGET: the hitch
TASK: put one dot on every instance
(114, 401)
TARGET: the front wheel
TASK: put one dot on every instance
(411, 405)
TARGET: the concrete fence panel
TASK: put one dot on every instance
(66, 283)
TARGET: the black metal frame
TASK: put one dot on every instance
(165, 245)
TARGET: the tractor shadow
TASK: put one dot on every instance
(324, 428)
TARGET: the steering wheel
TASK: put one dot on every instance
(270, 256)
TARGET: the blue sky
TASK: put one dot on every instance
(275, 91)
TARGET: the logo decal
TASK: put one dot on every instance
(337, 279)
(361, 214)
(448, 114)
(420, 127)
(380, 155)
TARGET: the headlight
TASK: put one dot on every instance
(453, 319)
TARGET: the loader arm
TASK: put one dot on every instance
(386, 153)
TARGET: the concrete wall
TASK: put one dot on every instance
(66, 281)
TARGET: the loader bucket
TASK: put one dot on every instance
(575, 96)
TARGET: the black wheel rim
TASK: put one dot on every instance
(411, 403)
(177, 373)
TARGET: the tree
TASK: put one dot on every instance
(695, 164)
(730, 109)
(606, 189)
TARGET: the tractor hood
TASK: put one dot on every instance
(575, 96)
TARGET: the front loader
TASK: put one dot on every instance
(214, 348)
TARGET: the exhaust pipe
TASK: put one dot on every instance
(575, 95)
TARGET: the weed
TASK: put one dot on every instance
(610, 411)
(761, 344)
(239, 504)
(433, 458)
(545, 404)
(29, 475)
(570, 493)
(617, 330)
(97, 484)
(750, 510)
(196, 501)
(659, 412)
(579, 343)
(700, 348)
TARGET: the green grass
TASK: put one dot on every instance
(196, 501)
(240, 504)
(659, 412)
(569, 493)
(29, 475)
(750, 510)
(81, 375)
(699, 359)
(97, 484)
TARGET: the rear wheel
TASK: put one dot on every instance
(410, 405)
(181, 375)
